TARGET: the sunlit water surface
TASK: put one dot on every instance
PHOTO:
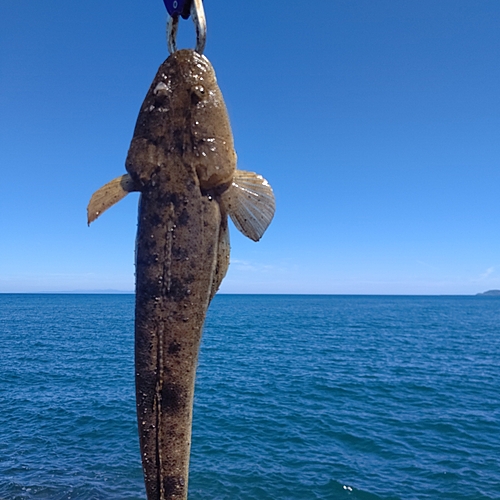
(297, 398)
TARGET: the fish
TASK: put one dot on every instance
(183, 162)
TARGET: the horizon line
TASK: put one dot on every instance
(132, 292)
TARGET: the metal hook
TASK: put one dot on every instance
(200, 23)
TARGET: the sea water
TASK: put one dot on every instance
(297, 398)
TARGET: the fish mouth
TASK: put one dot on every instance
(190, 57)
(192, 67)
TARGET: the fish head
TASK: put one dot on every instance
(184, 115)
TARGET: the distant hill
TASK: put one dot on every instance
(490, 293)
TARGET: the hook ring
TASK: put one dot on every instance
(200, 23)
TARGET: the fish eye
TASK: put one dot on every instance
(197, 94)
(160, 93)
(161, 88)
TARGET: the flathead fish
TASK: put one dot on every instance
(182, 160)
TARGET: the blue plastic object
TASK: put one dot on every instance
(178, 7)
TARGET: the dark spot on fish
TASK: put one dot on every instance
(174, 348)
(166, 199)
(150, 259)
(195, 99)
(173, 485)
(180, 253)
(183, 218)
(162, 199)
(197, 94)
(152, 138)
(191, 185)
(149, 287)
(150, 242)
(217, 190)
(178, 137)
(159, 177)
(160, 100)
(155, 220)
(174, 199)
(178, 289)
(210, 249)
(172, 398)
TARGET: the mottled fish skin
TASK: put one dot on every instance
(180, 158)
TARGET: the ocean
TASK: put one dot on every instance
(297, 398)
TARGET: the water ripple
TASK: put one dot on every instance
(369, 398)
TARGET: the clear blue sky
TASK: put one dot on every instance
(376, 122)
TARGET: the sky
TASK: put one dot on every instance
(376, 122)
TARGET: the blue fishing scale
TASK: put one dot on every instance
(178, 8)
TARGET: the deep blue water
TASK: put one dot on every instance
(297, 398)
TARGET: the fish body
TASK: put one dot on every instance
(176, 255)
(182, 161)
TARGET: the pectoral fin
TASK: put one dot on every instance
(108, 195)
(250, 203)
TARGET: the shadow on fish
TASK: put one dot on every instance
(182, 160)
